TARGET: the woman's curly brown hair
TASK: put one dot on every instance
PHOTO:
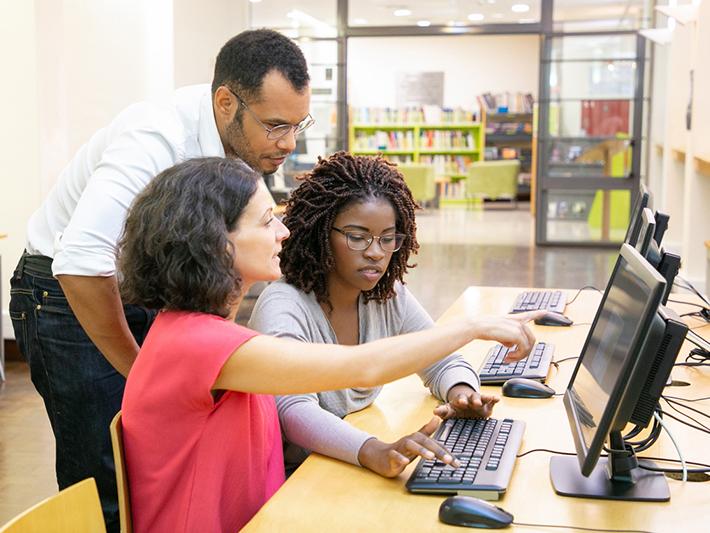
(334, 183)
(174, 252)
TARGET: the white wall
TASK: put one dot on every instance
(201, 28)
(69, 66)
(678, 187)
(471, 64)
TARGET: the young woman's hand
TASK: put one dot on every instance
(390, 459)
(509, 330)
(464, 402)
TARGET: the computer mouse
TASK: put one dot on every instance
(472, 512)
(526, 388)
(553, 319)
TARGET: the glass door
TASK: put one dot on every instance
(589, 137)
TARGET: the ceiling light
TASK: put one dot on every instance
(359, 22)
(423, 23)
(255, 1)
(520, 8)
(402, 12)
(473, 17)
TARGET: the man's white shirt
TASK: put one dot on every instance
(82, 218)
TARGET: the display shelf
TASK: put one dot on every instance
(449, 147)
(509, 136)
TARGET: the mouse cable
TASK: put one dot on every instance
(580, 528)
(675, 444)
(590, 287)
(558, 361)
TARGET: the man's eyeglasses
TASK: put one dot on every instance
(359, 241)
(280, 131)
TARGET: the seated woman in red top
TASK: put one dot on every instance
(202, 440)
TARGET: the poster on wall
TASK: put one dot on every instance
(417, 89)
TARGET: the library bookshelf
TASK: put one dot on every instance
(449, 147)
(510, 136)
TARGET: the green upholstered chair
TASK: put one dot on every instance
(421, 180)
(493, 180)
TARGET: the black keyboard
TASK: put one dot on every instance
(487, 451)
(534, 300)
(494, 371)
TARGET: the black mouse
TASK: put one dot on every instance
(553, 319)
(526, 388)
(472, 512)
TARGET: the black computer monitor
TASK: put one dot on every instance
(643, 200)
(622, 369)
(646, 231)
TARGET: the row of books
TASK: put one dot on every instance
(447, 165)
(404, 140)
(507, 102)
(413, 115)
(509, 128)
(383, 140)
(446, 140)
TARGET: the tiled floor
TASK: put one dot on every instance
(458, 248)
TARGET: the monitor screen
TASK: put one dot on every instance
(643, 200)
(646, 232)
(612, 346)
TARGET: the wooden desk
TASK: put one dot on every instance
(328, 495)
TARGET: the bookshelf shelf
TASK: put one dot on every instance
(449, 146)
(509, 136)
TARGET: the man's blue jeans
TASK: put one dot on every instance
(81, 390)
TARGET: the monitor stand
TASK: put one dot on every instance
(627, 482)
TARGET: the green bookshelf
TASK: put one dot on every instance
(449, 147)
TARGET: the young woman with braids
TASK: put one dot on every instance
(352, 232)
(202, 439)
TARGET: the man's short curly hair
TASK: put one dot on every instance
(174, 252)
(247, 58)
(335, 183)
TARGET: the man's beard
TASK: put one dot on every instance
(239, 146)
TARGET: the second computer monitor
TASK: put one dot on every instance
(643, 200)
(646, 231)
(611, 374)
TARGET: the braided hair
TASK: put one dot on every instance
(335, 183)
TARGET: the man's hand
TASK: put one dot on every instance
(464, 402)
(389, 460)
(97, 305)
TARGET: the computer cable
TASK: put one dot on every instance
(700, 427)
(580, 528)
(591, 287)
(704, 470)
(706, 467)
(703, 398)
(677, 448)
(565, 359)
(689, 286)
(696, 357)
(689, 408)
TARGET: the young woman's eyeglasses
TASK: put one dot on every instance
(359, 241)
(280, 131)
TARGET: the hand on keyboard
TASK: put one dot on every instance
(390, 459)
(464, 402)
(510, 331)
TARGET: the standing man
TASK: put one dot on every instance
(70, 324)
